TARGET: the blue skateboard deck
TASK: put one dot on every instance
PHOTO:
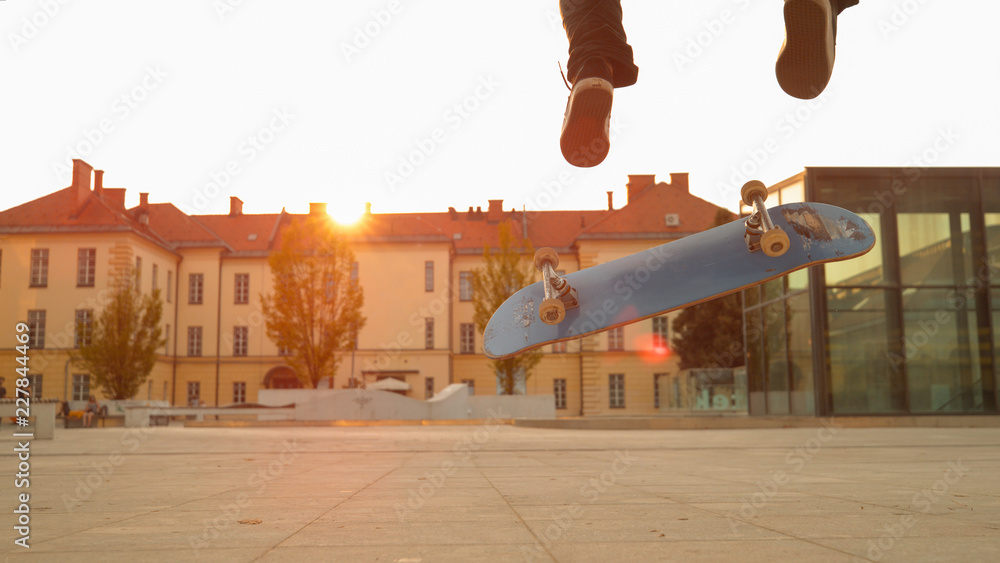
(678, 274)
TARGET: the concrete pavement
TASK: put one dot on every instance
(495, 492)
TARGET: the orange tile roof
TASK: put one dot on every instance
(466, 231)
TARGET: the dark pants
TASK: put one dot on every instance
(594, 28)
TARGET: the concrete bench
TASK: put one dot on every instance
(43, 415)
(136, 417)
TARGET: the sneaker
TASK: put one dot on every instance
(805, 61)
(585, 138)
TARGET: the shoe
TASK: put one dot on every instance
(805, 62)
(585, 138)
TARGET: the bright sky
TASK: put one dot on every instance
(421, 105)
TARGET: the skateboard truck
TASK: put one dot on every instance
(761, 233)
(559, 296)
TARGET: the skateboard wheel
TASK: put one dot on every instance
(774, 242)
(546, 254)
(751, 188)
(552, 311)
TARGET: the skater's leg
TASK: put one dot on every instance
(805, 62)
(600, 60)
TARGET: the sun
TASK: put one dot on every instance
(345, 215)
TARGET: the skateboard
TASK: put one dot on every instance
(749, 251)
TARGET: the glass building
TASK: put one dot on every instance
(912, 327)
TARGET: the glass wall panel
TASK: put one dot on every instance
(776, 358)
(755, 362)
(802, 397)
(865, 377)
(933, 248)
(942, 357)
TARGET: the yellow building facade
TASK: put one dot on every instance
(59, 252)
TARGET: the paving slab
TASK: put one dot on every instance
(414, 494)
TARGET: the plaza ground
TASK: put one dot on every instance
(496, 492)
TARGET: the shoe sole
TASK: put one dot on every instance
(805, 64)
(584, 140)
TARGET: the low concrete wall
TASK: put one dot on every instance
(452, 403)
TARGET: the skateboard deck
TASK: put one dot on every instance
(685, 272)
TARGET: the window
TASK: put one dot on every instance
(170, 286)
(429, 333)
(35, 385)
(468, 338)
(138, 273)
(242, 290)
(194, 341)
(39, 267)
(166, 340)
(616, 339)
(194, 393)
(239, 392)
(559, 390)
(559, 347)
(81, 386)
(36, 329)
(240, 337)
(84, 327)
(471, 383)
(428, 276)
(656, 388)
(355, 273)
(156, 274)
(465, 286)
(86, 265)
(428, 387)
(661, 332)
(196, 288)
(616, 390)
(284, 351)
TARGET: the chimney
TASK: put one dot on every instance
(81, 180)
(98, 181)
(368, 208)
(317, 208)
(680, 180)
(495, 212)
(611, 201)
(235, 206)
(144, 200)
(638, 183)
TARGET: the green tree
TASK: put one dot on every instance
(706, 332)
(119, 347)
(504, 273)
(314, 310)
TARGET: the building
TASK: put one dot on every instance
(58, 253)
(913, 327)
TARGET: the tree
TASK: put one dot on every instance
(504, 273)
(706, 332)
(314, 310)
(119, 348)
